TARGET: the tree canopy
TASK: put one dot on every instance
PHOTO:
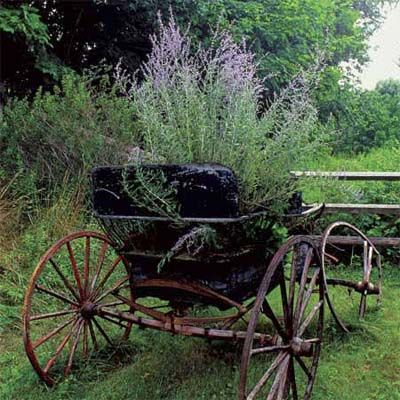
(286, 34)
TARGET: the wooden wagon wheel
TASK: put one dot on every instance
(291, 297)
(371, 281)
(77, 274)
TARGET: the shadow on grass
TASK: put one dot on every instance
(334, 335)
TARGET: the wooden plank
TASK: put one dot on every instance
(350, 176)
(381, 209)
(356, 240)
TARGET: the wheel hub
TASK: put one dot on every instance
(88, 310)
(301, 348)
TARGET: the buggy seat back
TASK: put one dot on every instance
(201, 190)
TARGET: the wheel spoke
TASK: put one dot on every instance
(314, 340)
(105, 278)
(55, 294)
(51, 315)
(60, 348)
(309, 318)
(303, 282)
(278, 360)
(308, 293)
(100, 262)
(86, 265)
(85, 342)
(93, 336)
(283, 380)
(279, 381)
(54, 332)
(67, 283)
(113, 289)
(368, 265)
(120, 324)
(292, 287)
(365, 257)
(285, 305)
(266, 308)
(101, 330)
(75, 270)
(73, 347)
(113, 304)
(293, 385)
(129, 326)
(303, 366)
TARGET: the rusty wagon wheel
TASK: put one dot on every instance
(290, 301)
(371, 276)
(76, 274)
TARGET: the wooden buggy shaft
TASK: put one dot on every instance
(185, 330)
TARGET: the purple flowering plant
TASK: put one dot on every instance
(203, 105)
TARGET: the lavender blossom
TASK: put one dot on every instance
(170, 57)
(201, 105)
(172, 61)
(234, 64)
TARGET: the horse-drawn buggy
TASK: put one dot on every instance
(208, 272)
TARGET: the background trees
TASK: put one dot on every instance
(286, 34)
(42, 40)
(367, 118)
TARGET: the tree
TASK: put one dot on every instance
(286, 34)
(367, 118)
(22, 32)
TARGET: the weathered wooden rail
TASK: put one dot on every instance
(349, 176)
(351, 208)
(356, 240)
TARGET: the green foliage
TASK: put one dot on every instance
(25, 20)
(289, 31)
(202, 238)
(287, 34)
(366, 118)
(61, 135)
(23, 28)
(24, 243)
(150, 193)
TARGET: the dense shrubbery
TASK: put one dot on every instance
(60, 135)
(366, 118)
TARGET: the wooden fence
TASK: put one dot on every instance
(380, 209)
(330, 208)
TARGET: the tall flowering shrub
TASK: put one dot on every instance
(203, 105)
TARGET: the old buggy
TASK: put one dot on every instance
(154, 272)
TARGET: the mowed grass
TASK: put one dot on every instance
(364, 364)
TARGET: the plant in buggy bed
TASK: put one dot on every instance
(197, 105)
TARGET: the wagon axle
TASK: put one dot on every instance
(367, 288)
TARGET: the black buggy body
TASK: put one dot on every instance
(207, 195)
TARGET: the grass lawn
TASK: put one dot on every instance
(361, 365)
(364, 364)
